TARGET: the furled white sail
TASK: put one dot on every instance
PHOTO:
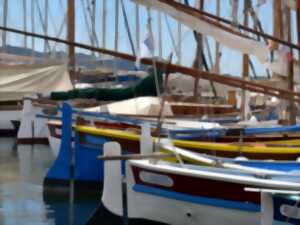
(236, 42)
(17, 81)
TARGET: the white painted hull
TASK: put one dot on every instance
(6, 117)
(176, 212)
(156, 192)
(54, 145)
(32, 127)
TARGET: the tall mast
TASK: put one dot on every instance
(117, 8)
(137, 27)
(291, 111)
(5, 9)
(278, 26)
(104, 10)
(198, 62)
(298, 32)
(217, 53)
(25, 21)
(46, 24)
(179, 39)
(245, 63)
(298, 28)
(93, 19)
(33, 24)
(160, 53)
(71, 35)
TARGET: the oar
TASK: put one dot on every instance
(136, 156)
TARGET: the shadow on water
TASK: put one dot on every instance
(22, 169)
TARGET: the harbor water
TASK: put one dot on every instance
(22, 170)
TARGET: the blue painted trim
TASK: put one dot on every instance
(60, 167)
(249, 207)
(48, 117)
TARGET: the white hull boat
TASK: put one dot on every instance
(178, 195)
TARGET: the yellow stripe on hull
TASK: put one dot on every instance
(221, 147)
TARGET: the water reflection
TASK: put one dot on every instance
(22, 170)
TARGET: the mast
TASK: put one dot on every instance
(217, 53)
(5, 9)
(298, 35)
(298, 28)
(104, 10)
(179, 39)
(137, 27)
(117, 8)
(127, 27)
(291, 111)
(277, 12)
(245, 63)
(71, 36)
(93, 21)
(198, 62)
(46, 24)
(25, 21)
(33, 24)
(159, 31)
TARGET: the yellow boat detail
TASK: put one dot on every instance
(197, 145)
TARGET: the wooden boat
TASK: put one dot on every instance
(282, 150)
(9, 111)
(132, 126)
(152, 184)
(240, 163)
(86, 144)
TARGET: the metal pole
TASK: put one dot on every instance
(33, 24)
(46, 25)
(71, 36)
(104, 11)
(25, 21)
(5, 14)
(137, 27)
(179, 40)
(159, 35)
(117, 8)
(127, 28)
(217, 53)
(245, 63)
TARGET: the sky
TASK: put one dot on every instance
(231, 61)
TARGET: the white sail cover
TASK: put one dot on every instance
(231, 40)
(291, 4)
(19, 80)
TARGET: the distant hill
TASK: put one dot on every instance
(82, 59)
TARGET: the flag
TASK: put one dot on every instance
(147, 45)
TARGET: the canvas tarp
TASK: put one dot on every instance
(136, 106)
(291, 4)
(236, 42)
(17, 81)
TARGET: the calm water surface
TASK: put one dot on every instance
(22, 169)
